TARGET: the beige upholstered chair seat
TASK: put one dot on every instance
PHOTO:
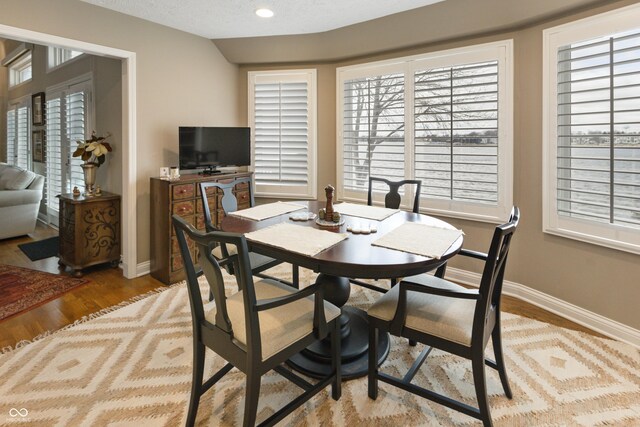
(256, 260)
(280, 326)
(444, 317)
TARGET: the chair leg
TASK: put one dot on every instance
(251, 399)
(373, 362)
(196, 381)
(295, 276)
(440, 272)
(477, 362)
(336, 364)
(496, 337)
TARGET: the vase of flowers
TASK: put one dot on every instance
(93, 152)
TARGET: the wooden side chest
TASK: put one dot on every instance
(182, 197)
(89, 231)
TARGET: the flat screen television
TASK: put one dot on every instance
(209, 148)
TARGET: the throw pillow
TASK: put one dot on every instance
(16, 179)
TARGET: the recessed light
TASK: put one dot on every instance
(264, 12)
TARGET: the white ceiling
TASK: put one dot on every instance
(217, 19)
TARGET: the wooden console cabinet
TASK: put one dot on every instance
(89, 231)
(182, 197)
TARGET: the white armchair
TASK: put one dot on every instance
(20, 196)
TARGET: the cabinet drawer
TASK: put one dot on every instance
(200, 222)
(183, 191)
(212, 206)
(185, 208)
(243, 199)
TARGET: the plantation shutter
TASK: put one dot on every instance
(11, 136)
(76, 112)
(373, 130)
(54, 154)
(22, 137)
(456, 132)
(598, 146)
(283, 127)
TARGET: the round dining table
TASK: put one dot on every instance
(354, 257)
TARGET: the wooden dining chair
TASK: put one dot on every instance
(256, 328)
(393, 200)
(229, 203)
(449, 317)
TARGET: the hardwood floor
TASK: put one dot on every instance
(109, 288)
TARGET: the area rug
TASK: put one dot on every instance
(41, 249)
(22, 289)
(132, 367)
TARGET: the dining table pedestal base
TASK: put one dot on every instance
(315, 360)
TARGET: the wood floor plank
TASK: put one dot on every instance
(109, 287)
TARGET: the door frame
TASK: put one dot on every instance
(129, 142)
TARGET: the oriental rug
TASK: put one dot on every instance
(132, 367)
(22, 289)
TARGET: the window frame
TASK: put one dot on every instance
(60, 91)
(613, 236)
(294, 75)
(502, 51)
(54, 52)
(17, 67)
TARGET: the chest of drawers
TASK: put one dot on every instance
(182, 197)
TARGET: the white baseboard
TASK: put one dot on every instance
(581, 316)
(143, 268)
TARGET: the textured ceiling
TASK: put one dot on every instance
(218, 19)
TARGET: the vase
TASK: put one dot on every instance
(89, 170)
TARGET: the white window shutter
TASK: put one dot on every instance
(55, 161)
(76, 112)
(282, 117)
(11, 135)
(456, 132)
(373, 130)
(598, 135)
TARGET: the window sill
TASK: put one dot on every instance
(626, 246)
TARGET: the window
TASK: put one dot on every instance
(282, 116)
(20, 70)
(592, 130)
(69, 119)
(18, 135)
(444, 118)
(57, 56)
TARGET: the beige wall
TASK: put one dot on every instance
(598, 279)
(181, 80)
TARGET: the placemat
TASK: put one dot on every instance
(295, 238)
(260, 212)
(420, 239)
(364, 211)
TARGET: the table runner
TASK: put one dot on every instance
(364, 211)
(420, 239)
(260, 212)
(296, 238)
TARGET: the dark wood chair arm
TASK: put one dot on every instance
(267, 304)
(418, 287)
(473, 254)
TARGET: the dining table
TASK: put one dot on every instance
(354, 257)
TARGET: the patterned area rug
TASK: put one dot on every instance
(132, 367)
(22, 289)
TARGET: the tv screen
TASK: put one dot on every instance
(214, 147)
